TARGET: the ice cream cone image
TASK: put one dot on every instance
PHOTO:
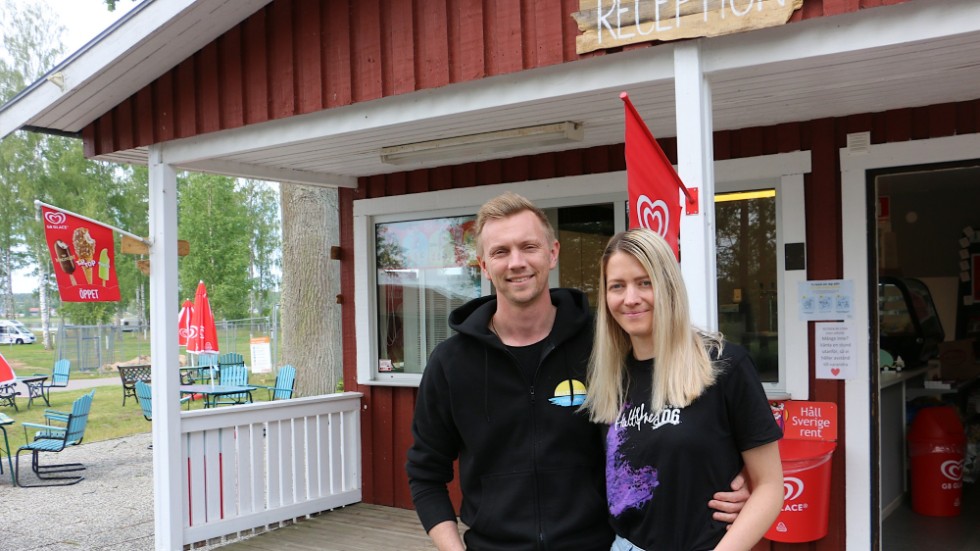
(65, 261)
(85, 251)
(104, 266)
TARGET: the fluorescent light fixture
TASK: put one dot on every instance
(745, 195)
(484, 143)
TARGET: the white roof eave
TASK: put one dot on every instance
(145, 43)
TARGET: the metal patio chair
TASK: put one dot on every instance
(54, 439)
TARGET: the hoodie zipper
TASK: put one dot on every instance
(542, 541)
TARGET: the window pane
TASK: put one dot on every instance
(746, 248)
(426, 268)
(583, 233)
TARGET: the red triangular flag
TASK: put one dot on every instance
(651, 180)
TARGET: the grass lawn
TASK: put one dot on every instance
(108, 418)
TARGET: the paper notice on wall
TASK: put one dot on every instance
(261, 355)
(834, 350)
(826, 300)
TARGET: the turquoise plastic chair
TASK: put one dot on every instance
(234, 375)
(53, 439)
(230, 359)
(144, 395)
(285, 384)
(58, 379)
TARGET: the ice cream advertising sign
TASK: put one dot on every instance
(83, 255)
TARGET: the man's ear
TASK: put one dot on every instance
(554, 253)
(483, 266)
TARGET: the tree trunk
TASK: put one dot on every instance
(311, 332)
(42, 302)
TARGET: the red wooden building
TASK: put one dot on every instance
(818, 113)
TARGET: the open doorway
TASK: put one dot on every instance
(922, 213)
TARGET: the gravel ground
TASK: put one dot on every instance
(112, 509)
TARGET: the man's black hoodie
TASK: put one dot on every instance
(531, 464)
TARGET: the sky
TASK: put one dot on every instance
(83, 20)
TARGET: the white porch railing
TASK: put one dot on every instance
(257, 464)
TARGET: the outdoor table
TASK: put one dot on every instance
(211, 393)
(4, 421)
(35, 389)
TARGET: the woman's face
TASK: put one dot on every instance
(629, 298)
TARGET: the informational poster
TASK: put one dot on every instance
(261, 355)
(826, 300)
(834, 350)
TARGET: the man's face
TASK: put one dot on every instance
(517, 257)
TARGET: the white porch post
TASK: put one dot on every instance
(167, 517)
(695, 162)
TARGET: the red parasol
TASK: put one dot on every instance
(203, 338)
(7, 374)
(184, 323)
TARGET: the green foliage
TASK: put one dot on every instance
(214, 219)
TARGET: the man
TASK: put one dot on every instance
(502, 395)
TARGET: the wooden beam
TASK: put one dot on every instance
(134, 246)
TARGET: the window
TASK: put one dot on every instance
(414, 263)
(748, 309)
(425, 269)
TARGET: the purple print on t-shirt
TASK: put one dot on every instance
(626, 487)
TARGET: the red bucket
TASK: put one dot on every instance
(936, 449)
(806, 483)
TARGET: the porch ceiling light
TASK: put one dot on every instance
(484, 143)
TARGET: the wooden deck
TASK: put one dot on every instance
(359, 527)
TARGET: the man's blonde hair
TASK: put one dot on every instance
(506, 205)
(683, 367)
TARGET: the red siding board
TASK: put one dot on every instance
(88, 141)
(417, 181)
(399, 36)
(516, 170)
(367, 50)
(382, 442)
(966, 117)
(256, 69)
(282, 71)
(231, 106)
(105, 134)
(395, 184)
(143, 123)
(823, 204)
(468, 60)
(163, 93)
(185, 106)
(307, 52)
(208, 91)
(942, 120)
(837, 7)
(503, 37)
(432, 44)
(403, 410)
(442, 178)
(124, 127)
(898, 125)
(463, 176)
(336, 54)
(375, 186)
(920, 123)
(549, 33)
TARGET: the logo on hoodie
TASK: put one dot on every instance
(569, 393)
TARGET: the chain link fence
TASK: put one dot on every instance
(97, 347)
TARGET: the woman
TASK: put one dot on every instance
(680, 429)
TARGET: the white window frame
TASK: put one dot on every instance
(783, 172)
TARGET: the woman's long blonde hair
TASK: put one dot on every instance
(683, 364)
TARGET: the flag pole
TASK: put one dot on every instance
(38, 204)
(663, 157)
